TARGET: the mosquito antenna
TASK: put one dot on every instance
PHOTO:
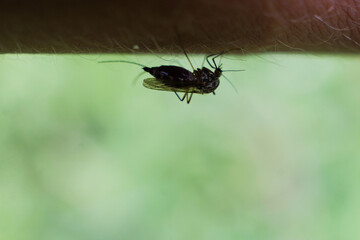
(220, 61)
(233, 86)
(123, 61)
(232, 49)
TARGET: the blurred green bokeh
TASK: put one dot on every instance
(86, 155)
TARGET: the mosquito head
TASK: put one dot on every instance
(218, 72)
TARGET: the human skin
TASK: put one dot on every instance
(164, 26)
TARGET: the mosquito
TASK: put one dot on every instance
(178, 79)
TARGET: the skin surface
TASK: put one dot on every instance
(203, 26)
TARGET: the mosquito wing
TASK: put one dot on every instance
(157, 84)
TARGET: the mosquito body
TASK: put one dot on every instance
(177, 79)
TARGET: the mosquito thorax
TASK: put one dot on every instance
(209, 80)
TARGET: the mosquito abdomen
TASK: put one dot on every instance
(147, 69)
(155, 71)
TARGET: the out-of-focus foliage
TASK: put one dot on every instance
(86, 155)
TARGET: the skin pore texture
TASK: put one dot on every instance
(162, 26)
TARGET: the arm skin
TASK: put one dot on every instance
(125, 26)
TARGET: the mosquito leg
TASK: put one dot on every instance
(178, 96)
(188, 99)
(181, 99)
(213, 59)
(214, 62)
(182, 47)
(203, 62)
(188, 59)
(137, 78)
(214, 92)
(207, 59)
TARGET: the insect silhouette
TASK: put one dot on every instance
(178, 79)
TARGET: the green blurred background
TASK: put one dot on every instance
(86, 155)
